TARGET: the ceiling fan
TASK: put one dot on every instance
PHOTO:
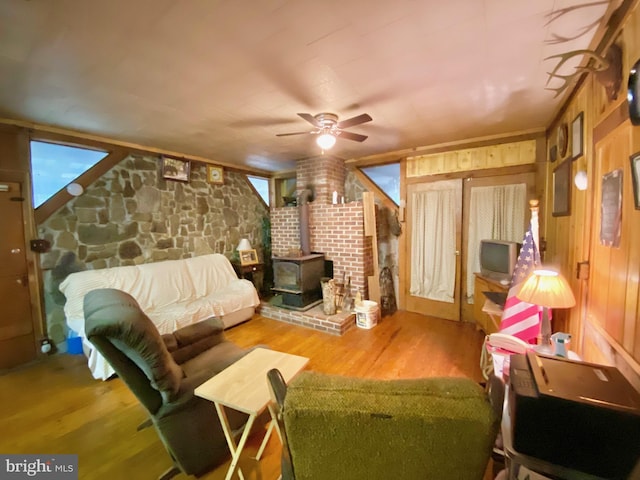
(328, 128)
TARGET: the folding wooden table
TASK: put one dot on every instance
(244, 386)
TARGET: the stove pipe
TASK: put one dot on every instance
(305, 234)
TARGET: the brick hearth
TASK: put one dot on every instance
(335, 230)
(314, 318)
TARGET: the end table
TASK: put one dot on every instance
(248, 273)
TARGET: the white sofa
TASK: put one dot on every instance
(172, 293)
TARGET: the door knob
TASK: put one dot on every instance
(457, 252)
(22, 281)
(15, 250)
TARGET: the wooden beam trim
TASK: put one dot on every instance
(447, 146)
(255, 192)
(41, 130)
(62, 197)
(372, 187)
(485, 172)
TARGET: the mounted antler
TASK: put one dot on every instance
(605, 66)
(556, 14)
(557, 39)
(601, 64)
(563, 11)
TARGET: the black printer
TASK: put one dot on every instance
(579, 415)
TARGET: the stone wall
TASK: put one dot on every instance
(387, 229)
(353, 188)
(131, 215)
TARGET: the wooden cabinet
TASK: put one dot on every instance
(253, 273)
(488, 322)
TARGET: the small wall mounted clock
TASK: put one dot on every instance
(215, 175)
(563, 136)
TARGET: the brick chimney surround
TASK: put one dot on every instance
(336, 230)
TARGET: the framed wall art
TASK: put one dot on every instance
(215, 174)
(175, 169)
(562, 139)
(635, 178)
(611, 209)
(562, 189)
(577, 129)
(248, 257)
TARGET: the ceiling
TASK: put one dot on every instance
(219, 79)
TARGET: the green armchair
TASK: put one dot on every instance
(351, 429)
(163, 371)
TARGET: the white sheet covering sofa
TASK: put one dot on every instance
(173, 293)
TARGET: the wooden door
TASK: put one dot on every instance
(448, 250)
(495, 180)
(17, 342)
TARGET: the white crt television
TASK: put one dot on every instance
(498, 258)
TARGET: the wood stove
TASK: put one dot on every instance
(298, 280)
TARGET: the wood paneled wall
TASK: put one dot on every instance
(604, 324)
(479, 158)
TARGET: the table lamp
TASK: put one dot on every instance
(548, 289)
(244, 244)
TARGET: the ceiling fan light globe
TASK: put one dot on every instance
(326, 141)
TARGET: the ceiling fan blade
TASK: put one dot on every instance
(352, 122)
(310, 118)
(353, 136)
(293, 133)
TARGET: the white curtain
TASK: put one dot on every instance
(494, 212)
(433, 243)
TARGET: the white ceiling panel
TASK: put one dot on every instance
(220, 79)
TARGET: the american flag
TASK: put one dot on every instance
(519, 318)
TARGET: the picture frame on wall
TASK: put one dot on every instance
(635, 178)
(611, 208)
(215, 175)
(175, 169)
(562, 138)
(248, 257)
(562, 189)
(577, 141)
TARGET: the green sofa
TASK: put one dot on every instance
(351, 428)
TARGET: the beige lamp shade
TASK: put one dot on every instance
(244, 244)
(547, 288)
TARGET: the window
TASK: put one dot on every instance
(387, 178)
(54, 166)
(261, 186)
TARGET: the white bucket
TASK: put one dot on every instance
(367, 314)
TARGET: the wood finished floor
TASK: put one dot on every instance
(55, 406)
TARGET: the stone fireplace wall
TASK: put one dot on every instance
(131, 215)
